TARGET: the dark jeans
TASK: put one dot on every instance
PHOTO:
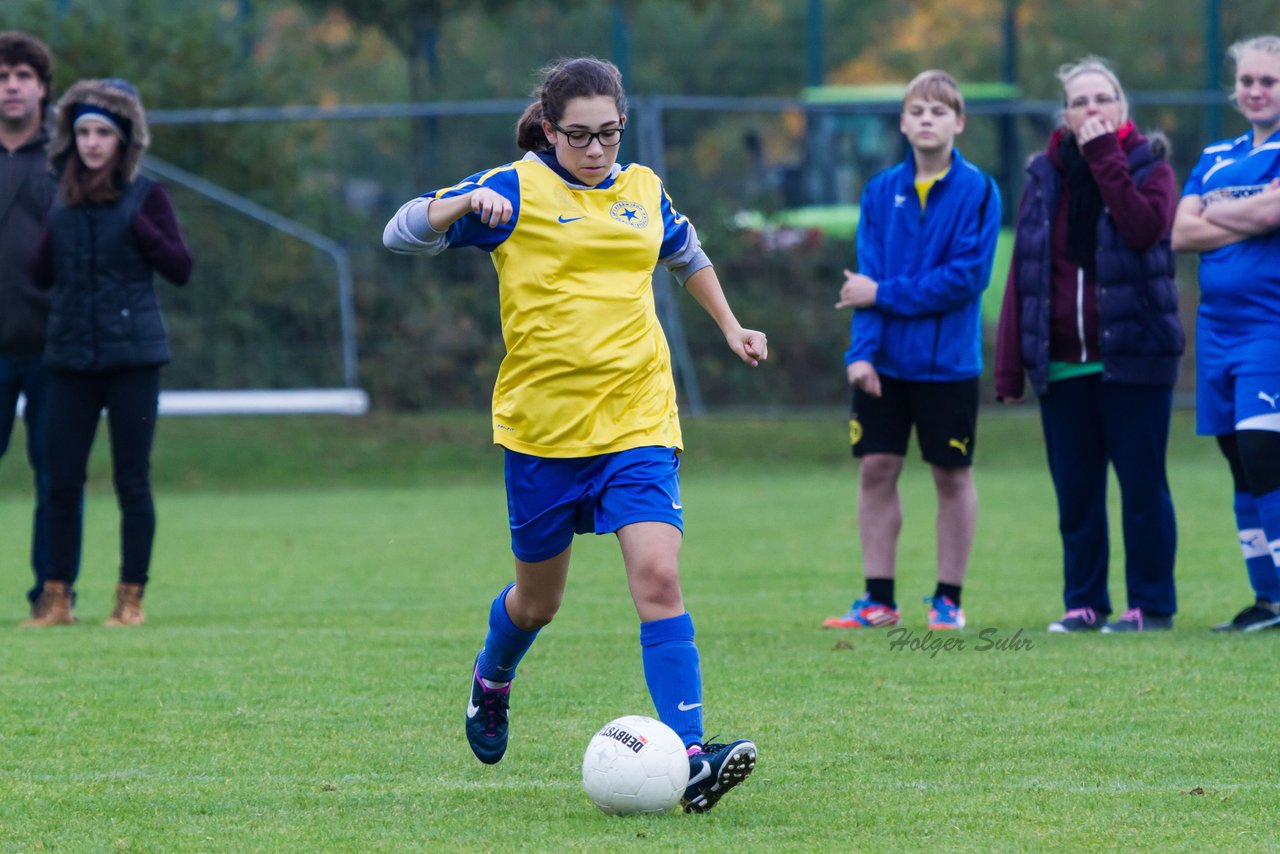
(1088, 424)
(76, 401)
(29, 378)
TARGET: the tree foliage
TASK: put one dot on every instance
(404, 22)
(413, 27)
(428, 333)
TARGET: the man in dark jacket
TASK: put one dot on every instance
(26, 191)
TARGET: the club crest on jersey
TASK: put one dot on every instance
(630, 213)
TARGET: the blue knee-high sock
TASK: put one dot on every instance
(1258, 561)
(1269, 512)
(674, 675)
(505, 644)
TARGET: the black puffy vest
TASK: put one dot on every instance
(1139, 330)
(104, 312)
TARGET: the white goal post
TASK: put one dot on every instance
(301, 401)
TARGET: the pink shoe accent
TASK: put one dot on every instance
(492, 687)
(1133, 615)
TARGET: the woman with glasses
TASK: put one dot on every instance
(1230, 214)
(1090, 315)
(585, 402)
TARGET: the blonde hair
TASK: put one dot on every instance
(1092, 64)
(935, 85)
(1261, 44)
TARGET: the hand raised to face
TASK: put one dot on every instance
(1092, 128)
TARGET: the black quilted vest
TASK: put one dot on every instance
(1139, 330)
(104, 312)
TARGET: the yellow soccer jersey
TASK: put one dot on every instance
(587, 369)
(924, 185)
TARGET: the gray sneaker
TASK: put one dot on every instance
(1078, 620)
(1134, 620)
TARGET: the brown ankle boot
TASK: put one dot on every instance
(128, 610)
(53, 608)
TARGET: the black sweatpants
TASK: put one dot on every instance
(76, 400)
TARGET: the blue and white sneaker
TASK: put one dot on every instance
(944, 614)
(714, 770)
(487, 719)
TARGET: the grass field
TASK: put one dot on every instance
(320, 588)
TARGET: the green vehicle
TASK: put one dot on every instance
(851, 133)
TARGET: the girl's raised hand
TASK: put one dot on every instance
(494, 208)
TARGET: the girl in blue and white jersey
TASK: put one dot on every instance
(585, 402)
(1230, 214)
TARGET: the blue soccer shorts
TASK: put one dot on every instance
(1237, 383)
(551, 499)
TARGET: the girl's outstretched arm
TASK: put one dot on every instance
(751, 346)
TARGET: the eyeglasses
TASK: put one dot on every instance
(609, 137)
(1082, 102)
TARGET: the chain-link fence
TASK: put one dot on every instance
(769, 183)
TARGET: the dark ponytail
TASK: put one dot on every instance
(584, 77)
(529, 135)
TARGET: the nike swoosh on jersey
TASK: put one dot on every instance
(701, 775)
(563, 219)
(687, 707)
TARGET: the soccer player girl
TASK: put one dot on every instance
(585, 402)
(1230, 214)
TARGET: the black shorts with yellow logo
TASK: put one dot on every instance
(945, 415)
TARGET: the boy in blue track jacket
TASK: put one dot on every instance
(926, 241)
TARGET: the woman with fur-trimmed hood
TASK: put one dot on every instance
(108, 232)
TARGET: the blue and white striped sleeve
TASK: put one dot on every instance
(681, 253)
(409, 232)
(1194, 185)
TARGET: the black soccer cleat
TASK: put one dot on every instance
(487, 720)
(716, 770)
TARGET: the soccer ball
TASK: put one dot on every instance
(635, 765)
